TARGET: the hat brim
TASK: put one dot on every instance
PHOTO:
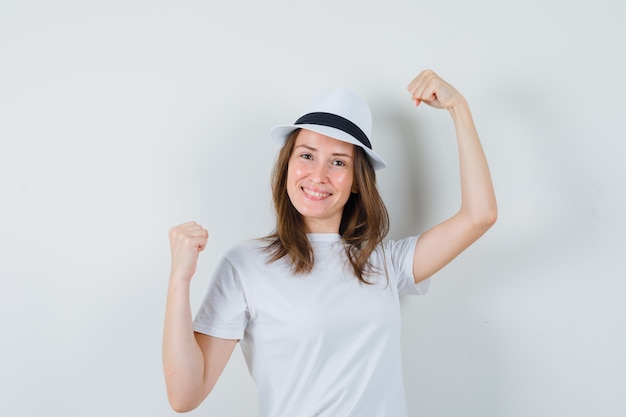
(279, 135)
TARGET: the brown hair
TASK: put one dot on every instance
(364, 223)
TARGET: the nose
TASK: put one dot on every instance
(319, 173)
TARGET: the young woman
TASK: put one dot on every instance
(315, 305)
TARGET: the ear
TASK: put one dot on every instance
(355, 188)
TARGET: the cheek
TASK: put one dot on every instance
(346, 180)
(292, 173)
(295, 171)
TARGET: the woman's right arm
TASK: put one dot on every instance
(192, 362)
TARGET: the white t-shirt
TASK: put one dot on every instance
(322, 344)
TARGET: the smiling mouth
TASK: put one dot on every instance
(315, 194)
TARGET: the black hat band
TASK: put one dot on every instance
(338, 122)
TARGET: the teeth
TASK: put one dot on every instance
(315, 194)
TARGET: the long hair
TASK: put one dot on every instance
(364, 222)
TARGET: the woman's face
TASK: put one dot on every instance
(320, 178)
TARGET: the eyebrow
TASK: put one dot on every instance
(311, 148)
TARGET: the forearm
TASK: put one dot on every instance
(478, 200)
(183, 361)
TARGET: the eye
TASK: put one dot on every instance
(339, 163)
(306, 156)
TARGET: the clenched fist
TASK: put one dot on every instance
(186, 242)
(431, 89)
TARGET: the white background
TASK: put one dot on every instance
(120, 119)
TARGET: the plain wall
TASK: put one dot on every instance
(120, 119)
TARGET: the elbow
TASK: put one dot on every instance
(183, 397)
(181, 405)
(480, 214)
(488, 214)
(181, 409)
(489, 218)
(483, 220)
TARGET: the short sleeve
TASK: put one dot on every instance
(400, 254)
(224, 311)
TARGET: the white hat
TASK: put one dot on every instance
(340, 114)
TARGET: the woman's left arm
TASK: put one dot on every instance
(441, 244)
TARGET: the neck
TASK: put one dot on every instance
(314, 226)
